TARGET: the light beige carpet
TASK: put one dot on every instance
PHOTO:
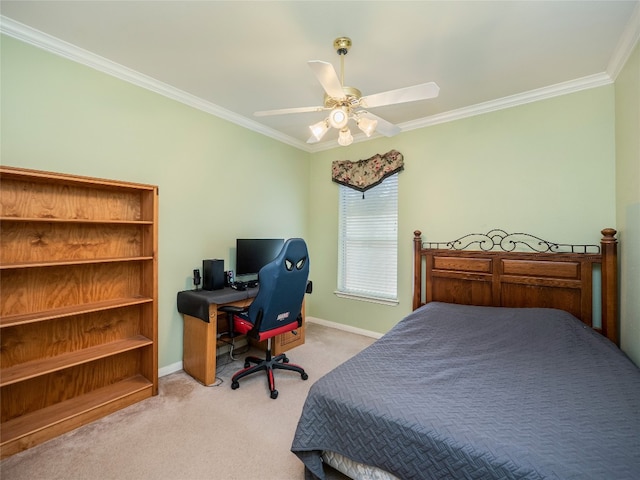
(194, 432)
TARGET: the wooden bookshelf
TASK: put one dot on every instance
(78, 303)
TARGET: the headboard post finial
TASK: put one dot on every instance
(609, 249)
(609, 235)
(417, 268)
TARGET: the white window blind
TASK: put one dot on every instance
(368, 241)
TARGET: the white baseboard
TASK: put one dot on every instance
(224, 349)
(177, 366)
(169, 369)
(343, 327)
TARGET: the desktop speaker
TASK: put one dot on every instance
(213, 274)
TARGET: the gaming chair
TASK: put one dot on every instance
(275, 310)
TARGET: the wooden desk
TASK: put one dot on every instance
(200, 312)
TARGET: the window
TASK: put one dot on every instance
(368, 242)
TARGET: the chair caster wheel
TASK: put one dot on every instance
(285, 360)
(304, 376)
(247, 364)
(274, 394)
(234, 385)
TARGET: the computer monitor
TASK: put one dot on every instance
(254, 253)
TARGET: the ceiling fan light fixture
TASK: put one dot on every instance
(319, 129)
(345, 138)
(367, 125)
(339, 117)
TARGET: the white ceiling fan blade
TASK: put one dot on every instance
(283, 111)
(328, 78)
(385, 128)
(401, 95)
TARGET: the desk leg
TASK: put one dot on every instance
(199, 349)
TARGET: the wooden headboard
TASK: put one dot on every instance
(498, 273)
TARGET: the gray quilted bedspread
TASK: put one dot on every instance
(460, 392)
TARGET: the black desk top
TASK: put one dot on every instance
(196, 302)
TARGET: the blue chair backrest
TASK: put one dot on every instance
(283, 283)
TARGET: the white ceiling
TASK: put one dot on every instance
(232, 58)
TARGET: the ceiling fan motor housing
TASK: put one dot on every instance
(351, 98)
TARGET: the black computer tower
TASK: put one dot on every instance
(213, 274)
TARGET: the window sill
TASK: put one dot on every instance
(364, 298)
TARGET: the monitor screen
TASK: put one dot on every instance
(254, 253)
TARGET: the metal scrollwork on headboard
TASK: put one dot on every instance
(498, 239)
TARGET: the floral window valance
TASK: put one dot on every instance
(365, 174)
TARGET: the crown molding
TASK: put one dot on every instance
(536, 95)
(628, 40)
(69, 51)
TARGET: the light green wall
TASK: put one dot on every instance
(628, 201)
(546, 168)
(217, 180)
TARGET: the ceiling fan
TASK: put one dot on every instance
(347, 103)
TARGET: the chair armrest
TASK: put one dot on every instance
(233, 309)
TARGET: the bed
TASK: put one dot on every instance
(506, 369)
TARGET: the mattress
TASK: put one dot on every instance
(354, 469)
(455, 391)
